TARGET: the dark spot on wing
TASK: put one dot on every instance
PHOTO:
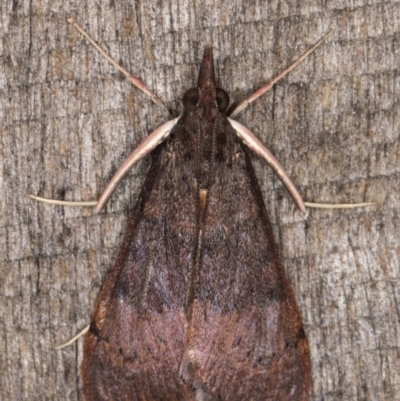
(301, 335)
(94, 330)
(275, 294)
(121, 289)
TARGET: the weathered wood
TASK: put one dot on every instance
(68, 120)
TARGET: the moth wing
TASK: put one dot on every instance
(245, 338)
(138, 328)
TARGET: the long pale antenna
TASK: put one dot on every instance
(135, 81)
(269, 85)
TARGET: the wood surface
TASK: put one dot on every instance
(68, 119)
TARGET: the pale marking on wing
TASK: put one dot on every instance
(202, 202)
(149, 273)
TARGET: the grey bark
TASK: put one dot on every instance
(69, 119)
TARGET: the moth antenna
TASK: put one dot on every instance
(73, 339)
(144, 148)
(135, 81)
(63, 203)
(338, 205)
(258, 147)
(269, 85)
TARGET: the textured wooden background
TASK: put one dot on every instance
(69, 119)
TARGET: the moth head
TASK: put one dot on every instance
(206, 91)
(190, 99)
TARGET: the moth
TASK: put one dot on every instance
(198, 305)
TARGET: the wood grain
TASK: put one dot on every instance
(68, 120)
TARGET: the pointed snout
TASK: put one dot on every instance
(206, 74)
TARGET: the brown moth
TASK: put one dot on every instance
(198, 305)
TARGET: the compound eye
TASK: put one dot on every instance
(190, 99)
(222, 100)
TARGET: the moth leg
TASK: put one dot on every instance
(63, 203)
(144, 148)
(258, 147)
(307, 204)
(268, 86)
(75, 338)
(135, 81)
(338, 205)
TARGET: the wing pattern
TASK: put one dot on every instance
(245, 337)
(241, 336)
(138, 330)
(197, 306)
